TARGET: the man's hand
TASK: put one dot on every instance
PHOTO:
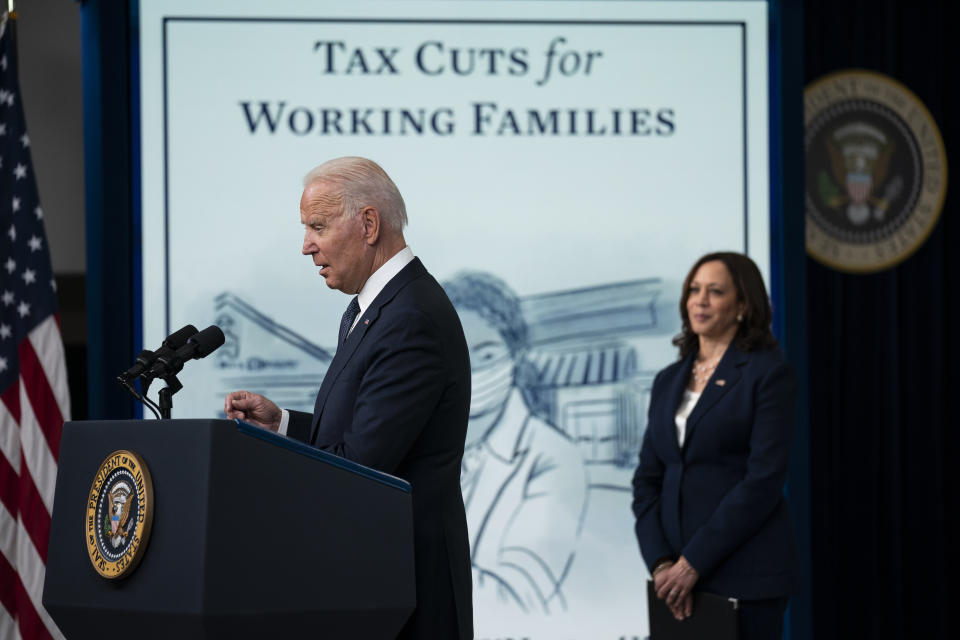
(675, 587)
(252, 408)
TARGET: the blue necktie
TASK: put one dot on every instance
(347, 320)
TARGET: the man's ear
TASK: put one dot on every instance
(370, 225)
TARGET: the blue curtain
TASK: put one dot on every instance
(883, 354)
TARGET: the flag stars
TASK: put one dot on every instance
(24, 263)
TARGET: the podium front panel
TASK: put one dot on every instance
(252, 534)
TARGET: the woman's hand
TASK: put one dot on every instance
(658, 573)
(658, 577)
(674, 585)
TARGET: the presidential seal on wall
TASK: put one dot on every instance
(119, 514)
(876, 171)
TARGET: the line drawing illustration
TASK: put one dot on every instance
(560, 390)
(265, 357)
(524, 481)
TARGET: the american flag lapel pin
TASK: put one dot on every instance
(367, 321)
(720, 383)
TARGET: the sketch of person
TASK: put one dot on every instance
(231, 344)
(524, 482)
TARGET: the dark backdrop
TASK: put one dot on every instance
(883, 385)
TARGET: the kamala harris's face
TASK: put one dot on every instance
(712, 304)
(334, 240)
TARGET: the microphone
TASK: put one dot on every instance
(198, 346)
(146, 358)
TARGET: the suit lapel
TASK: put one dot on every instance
(724, 378)
(409, 273)
(674, 394)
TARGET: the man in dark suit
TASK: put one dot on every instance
(397, 394)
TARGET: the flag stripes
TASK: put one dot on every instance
(33, 381)
(35, 516)
(29, 482)
(26, 581)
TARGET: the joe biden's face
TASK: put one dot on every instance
(335, 241)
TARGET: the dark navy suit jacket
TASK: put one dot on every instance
(397, 398)
(718, 500)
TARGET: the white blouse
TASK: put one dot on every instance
(683, 412)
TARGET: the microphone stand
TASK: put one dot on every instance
(142, 397)
(166, 395)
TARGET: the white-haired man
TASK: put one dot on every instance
(397, 394)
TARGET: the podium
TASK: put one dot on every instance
(254, 535)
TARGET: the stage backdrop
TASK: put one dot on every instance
(575, 157)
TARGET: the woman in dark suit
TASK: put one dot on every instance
(708, 493)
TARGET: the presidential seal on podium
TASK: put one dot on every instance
(119, 514)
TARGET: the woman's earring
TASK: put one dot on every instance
(739, 317)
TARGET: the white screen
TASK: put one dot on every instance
(585, 153)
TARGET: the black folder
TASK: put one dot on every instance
(714, 618)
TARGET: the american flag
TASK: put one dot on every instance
(34, 399)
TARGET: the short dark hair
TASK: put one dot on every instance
(754, 331)
(494, 301)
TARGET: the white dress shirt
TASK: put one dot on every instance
(375, 283)
(683, 412)
(368, 293)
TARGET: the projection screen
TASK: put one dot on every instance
(579, 156)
